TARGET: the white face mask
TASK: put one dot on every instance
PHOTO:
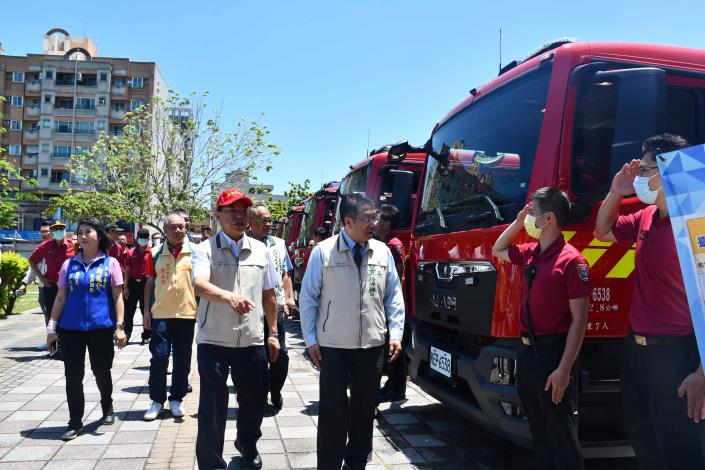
(59, 234)
(143, 241)
(641, 186)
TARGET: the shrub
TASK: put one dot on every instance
(13, 268)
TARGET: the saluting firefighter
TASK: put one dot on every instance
(662, 381)
(553, 317)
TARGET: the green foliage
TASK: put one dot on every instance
(172, 154)
(297, 192)
(13, 268)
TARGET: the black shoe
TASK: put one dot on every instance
(189, 389)
(71, 434)
(109, 417)
(278, 403)
(388, 396)
(250, 458)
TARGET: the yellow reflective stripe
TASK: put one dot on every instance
(624, 266)
(593, 254)
(567, 234)
(596, 242)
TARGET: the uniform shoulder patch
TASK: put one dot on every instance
(583, 271)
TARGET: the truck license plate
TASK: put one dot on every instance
(440, 361)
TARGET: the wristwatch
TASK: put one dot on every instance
(120, 326)
(273, 335)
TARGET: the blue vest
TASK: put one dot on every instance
(89, 296)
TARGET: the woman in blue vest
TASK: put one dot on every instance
(88, 313)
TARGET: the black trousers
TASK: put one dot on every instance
(397, 371)
(43, 305)
(248, 369)
(50, 292)
(136, 295)
(662, 435)
(345, 426)
(553, 427)
(171, 335)
(100, 351)
(278, 370)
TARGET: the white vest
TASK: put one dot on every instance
(243, 275)
(351, 309)
(277, 250)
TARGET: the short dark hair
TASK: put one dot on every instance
(103, 238)
(663, 143)
(179, 210)
(553, 200)
(143, 233)
(206, 229)
(321, 232)
(44, 223)
(350, 204)
(389, 213)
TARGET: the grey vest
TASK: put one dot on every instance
(243, 275)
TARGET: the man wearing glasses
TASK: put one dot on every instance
(260, 228)
(350, 297)
(662, 381)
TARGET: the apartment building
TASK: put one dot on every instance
(59, 102)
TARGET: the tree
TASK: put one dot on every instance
(170, 153)
(8, 172)
(297, 192)
(12, 270)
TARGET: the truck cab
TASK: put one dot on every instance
(567, 116)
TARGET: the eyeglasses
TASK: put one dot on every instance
(264, 221)
(234, 211)
(643, 170)
(367, 220)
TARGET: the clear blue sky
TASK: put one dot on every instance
(326, 72)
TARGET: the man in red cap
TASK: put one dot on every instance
(235, 278)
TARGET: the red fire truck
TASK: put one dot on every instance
(568, 116)
(294, 218)
(319, 211)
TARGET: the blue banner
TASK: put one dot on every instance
(683, 177)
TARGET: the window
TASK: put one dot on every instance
(117, 129)
(49, 75)
(63, 103)
(61, 151)
(31, 174)
(57, 176)
(103, 77)
(119, 106)
(101, 125)
(119, 83)
(15, 125)
(81, 150)
(35, 103)
(44, 172)
(101, 101)
(46, 123)
(17, 101)
(45, 148)
(481, 160)
(34, 126)
(14, 150)
(17, 77)
(137, 82)
(62, 126)
(85, 128)
(135, 104)
(85, 103)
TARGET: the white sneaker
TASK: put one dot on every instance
(177, 409)
(153, 411)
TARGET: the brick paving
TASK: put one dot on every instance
(418, 434)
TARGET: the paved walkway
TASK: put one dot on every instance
(420, 433)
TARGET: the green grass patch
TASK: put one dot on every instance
(28, 301)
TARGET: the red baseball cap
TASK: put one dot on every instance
(231, 196)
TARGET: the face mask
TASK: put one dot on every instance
(59, 234)
(143, 241)
(530, 226)
(641, 186)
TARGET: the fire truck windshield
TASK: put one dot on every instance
(482, 159)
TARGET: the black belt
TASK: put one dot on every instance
(138, 279)
(643, 340)
(542, 340)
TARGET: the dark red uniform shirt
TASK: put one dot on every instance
(659, 303)
(117, 252)
(397, 248)
(53, 255)
(562, 274)
(136, 261)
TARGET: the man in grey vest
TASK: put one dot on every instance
(235, 277)
(350, 297)
(260, 228)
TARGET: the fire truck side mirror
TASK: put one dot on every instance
(397, 152)
(402, 192)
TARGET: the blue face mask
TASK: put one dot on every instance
(143, 241)
(59, 234)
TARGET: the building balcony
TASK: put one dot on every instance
(117, 114)
(85, 112)
(120, 73)
(30, 158)
(118, 90)
(31, 135)
(84, 136)
(63, 87)
(34, 86)
(32, 111)
(63, 112)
